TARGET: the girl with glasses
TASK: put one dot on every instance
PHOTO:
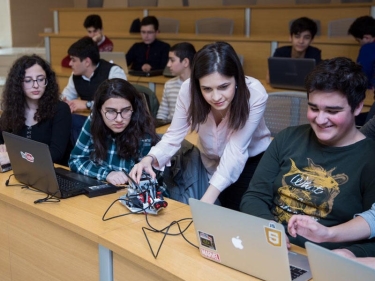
(117, 134)
(32, 109)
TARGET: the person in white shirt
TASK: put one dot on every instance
(89, 71)
(226, 109)
(180, 58)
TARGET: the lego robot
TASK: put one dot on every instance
(145, 197)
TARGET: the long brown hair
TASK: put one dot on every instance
(218, 57)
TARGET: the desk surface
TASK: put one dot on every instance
(81, 216)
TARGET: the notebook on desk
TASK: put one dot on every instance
(116, 58)
(32, 165)
(246, 243)
(289, 73)
(328, 266)
(155, 72)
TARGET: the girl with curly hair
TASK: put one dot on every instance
(32, 109)
(117, 134)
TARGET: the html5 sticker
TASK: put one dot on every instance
(210, 255)
(27, 156)
(273, 236)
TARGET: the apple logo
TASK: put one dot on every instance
(237, 242)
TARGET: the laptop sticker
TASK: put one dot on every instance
(207, 240)
(273, 236)
(210, 255)
(27, 156)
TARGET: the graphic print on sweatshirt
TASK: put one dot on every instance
(310, 190)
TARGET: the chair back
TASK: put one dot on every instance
(150, 97)
(356, 1)
(170, 3)
(239, 2)
(168, 25)
(313, 1)
(142, 3)
(223, 26)
(339, 27)
(285, 109)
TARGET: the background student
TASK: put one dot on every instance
(302, 33)
(323, 169)
(94, 28)
(226, 109)
(363, 30)
(151, 53)
(117, 134)
(180, 59)
(89, 71)
(31, 108)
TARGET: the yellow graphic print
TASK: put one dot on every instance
(310, 191)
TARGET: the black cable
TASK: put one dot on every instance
(17, 184)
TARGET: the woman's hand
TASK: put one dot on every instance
(144, 165)
(210, 195)
(117, 178)
(3, 148)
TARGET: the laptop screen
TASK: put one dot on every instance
(289, 73)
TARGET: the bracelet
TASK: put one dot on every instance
(148, 155)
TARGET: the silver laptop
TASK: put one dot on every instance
(116, 58)
(328, 266)
(246, 243)
(289, 73)
(32, 165)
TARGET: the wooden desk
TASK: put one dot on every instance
(255, 49)
(155, 83)
(69, 241)
(248, 20)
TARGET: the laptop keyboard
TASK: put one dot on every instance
(69, 186)
(296, 272)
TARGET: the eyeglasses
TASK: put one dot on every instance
(41, 82)
(112, 114)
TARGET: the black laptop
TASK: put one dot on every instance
(32, 165)
(289, 73)
(155, 72)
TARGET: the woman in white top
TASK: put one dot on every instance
(226, 109)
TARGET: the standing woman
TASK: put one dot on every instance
(32, 109)
(117, 134)
(226, 108)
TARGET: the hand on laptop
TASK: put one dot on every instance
(146, 67)
(117, 178)
(308, 228)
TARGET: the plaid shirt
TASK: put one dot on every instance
(81, 161)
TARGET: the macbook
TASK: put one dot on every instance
(246, 243)
(327, 266)
(32, 165)
(289, 73)
(116, 58)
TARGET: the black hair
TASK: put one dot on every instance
(150, 20)
(140, 126)
(94, 21)
(362, 26)
(183, 51)
(339, 74)
(304, 24)
(14, 102)
(85, 48)
(218, 57)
